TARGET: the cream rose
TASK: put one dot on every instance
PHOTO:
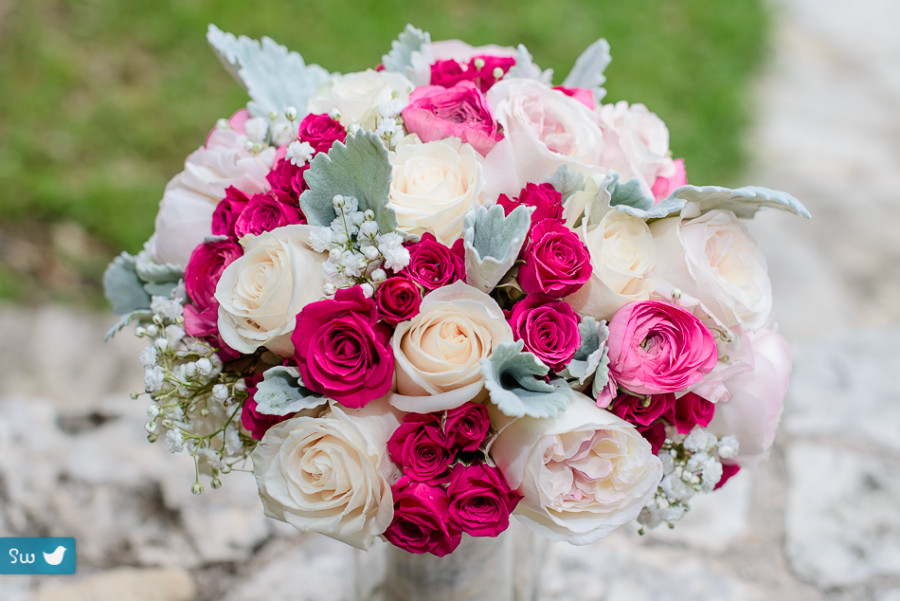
(622, 255)
(261, 293)
(582, 474)
(714, 259)
(330, 474)
(433, 185)
(544, 129)
(357, 96)
(437, 353)
(187, 205)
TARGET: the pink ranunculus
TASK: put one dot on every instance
(691, 410)
(342, 351)
(321, 131)
(227, 212)
(480, 500)
(398, 299)
(467, 426)
(434, 265)
(421, 521)
(549, 328)
(546, 200)
(585, 97)
(656, 347)
(288, 178)
(420, 447)
(435, 113)
(557, 262)
(642, 411)
(265, 212)
(666, 184)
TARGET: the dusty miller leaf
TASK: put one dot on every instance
(406, 53)
(358, 167)
(526, 69)
(566, 181)
(588, 70)
(273, 77)
(492, 243)
(516, 384)
(590, 353)
(743, 202)
(281, 392)
(630, 198)
(142, 315)
(122, 286)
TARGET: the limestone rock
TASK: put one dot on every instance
(124, 584)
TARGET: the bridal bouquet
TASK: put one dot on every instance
(419, 299)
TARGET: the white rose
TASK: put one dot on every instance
(714, 259)
(582, 474)
(261, 293)
(543, 130)
(433, 185)
(330, 474)
(185, 211)
(357, 96)
(636, 143)
(437, 353)
(622, 255)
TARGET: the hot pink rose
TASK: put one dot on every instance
(549, 328)
(420, 447)
(665, 185)
(321, 131)
(421, 521)
(690, 410)
(480, 500)
(544, 197)
(398, 299)
(728, 471)
(288, 178)
(253, 422)
(461, 111)
(342, 351)
(642, 411)
(200, 278)
(557, 262)
(228, 211)
(585, 97)
(433, 265)
(655, 434)
(467, 426)
(265, 212)
(656, 347)
(479, 70)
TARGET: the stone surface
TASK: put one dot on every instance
(124, 584)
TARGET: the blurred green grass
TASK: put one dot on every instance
(101, 101)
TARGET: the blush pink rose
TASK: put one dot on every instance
(656, 347)
(434, 265)
(421, 521)
(557, 262)
(435, 113)
(665, 185)
(265, 212)
(398, 299)
(421, 449)
(480, 500)
(548, 327)
(342, 351)
(321, 131)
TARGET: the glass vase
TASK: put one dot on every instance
(502, 568)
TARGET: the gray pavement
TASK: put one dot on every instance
(819, 520)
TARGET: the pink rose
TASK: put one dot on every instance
(728, 471)
(420, 447)
(398, 299)
(288, 178)
(656, 347)
(467, 426)
(690, 410)
(257, 423)
(321, 131)
(265, 212)
(557, 262)
(227, 212)
(341, 350)
(666, 184)
(461, 111)
(479, 70)
(480, 500)
(585, 97)
(549, 328)
(642, 411)
(201, 276)
(421, 521)
(655, 434)
(544, 197)
(433, 265)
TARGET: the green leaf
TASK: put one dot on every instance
(142, 315)
(358, 167)
(743, 202)
(629, 197)
(590, 353)
(123, 287)
(281, 392)
(588, 70)
(516, 384)
(274, 77)
(406, 57)
(566, 181)
(492, 242)
(526, 69)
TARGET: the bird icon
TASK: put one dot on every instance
(55, 558)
